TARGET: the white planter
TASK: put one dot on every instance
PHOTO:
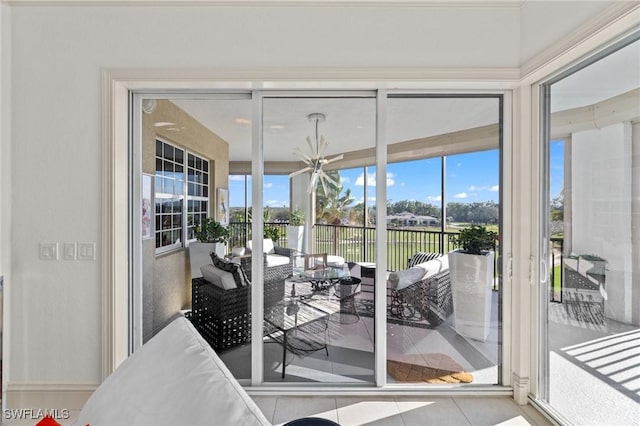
(471, 288)
(295, 236)
(200, 254)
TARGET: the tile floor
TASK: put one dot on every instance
(351, 358)
(401, 411)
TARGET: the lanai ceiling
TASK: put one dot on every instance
(350, 122)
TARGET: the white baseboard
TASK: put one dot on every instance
(47, 396)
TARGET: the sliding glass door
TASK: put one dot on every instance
(309, 281)
(318, 316)
(590, 292)
(443, 180)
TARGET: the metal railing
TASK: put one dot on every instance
(357, 243)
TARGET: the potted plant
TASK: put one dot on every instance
(472, 272)
(272, 233)
(295, 230)
(212, 236)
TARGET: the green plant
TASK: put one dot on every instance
(211, 231)
(296, 218)
(476, 239)
(272, 232)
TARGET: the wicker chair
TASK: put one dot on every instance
(271, 272)
(223, 317)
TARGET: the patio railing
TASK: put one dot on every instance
(357, 243)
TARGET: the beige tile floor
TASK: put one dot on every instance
(401, 411)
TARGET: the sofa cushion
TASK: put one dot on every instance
(403, 279)
(233, 267)
(406, 277)
(218, 277)
(434, 266)
(276, 260)
(173, 379)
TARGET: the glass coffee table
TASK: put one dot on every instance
(300, 328)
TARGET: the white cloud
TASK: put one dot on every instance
(276, 203)
(237, 177)
(345, 179)
(461, 195)
(371, 180)
(268, 185)
(474, 188)
(459, 165)
(434, 197)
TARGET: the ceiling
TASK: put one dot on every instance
(350, 122)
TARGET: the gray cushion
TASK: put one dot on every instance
(234, 268)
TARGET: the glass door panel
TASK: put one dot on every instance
(443, 322)
(190, 148)
(591, 232)
(318, 316)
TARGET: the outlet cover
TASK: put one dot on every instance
(48, 251)
(86, 251)
(69, 251)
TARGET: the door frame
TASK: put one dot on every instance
(117, 273)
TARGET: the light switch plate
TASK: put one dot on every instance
(48, 251)
(69, 251)
(86, 251)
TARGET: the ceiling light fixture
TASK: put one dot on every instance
(317, 160)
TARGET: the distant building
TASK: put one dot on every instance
(410, 219)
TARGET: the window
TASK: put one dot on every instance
(170, 189)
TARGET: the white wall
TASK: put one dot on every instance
(56, 57)
(58, 54)
(601, 205)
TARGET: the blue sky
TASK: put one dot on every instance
(556, 168)
(471, 178)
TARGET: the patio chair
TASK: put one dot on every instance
(222, 316)
(427, 298)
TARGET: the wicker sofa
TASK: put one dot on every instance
(277, 263)
(423, 290)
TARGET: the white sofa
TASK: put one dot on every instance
(174, 379)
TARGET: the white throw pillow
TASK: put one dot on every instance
(218, 277)
(267, 246)
(403, 279)
(434, 266)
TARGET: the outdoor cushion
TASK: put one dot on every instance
(233, 267)
(267, 245)
(218, 277)
(434, 266)
(406, 277)
(276, 260)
